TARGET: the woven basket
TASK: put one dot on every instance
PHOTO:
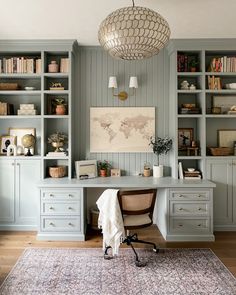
(57, 171)
(9, 86)
(221, 151)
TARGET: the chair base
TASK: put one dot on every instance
(128, 241)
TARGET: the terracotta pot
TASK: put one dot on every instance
(103, 173)
(60, 109)
(193, 69)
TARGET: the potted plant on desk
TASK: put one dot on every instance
(103, 167)
(160, 146)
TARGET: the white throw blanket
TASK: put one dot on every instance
(110, 220)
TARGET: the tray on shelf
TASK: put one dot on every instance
(221, 151)
(9, 86)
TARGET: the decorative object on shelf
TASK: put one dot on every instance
(20, 65)
(192, 173)
(185, 137)
(184, 85)
(28, 142)
(27, 110)
(216, 110)
(29, 88)
(214, 83)
(86, 169)
(226, 137)
(220, 151)
(193, 64)
(5, 141)
(192, 87)
(224, 102)
(232, 110)
(180, 169)
(121, 129)
(115, 172)
(133, 84)
(56, 86)
(187, 62)
(159, 146)
(57, 171)
(222, 64)
(9, 86)
(230, 86)
(103, 167)
(19, 133)
(189, 108)
(147, 169)
(59, 106)
(192, 151)
(53, 67)
(11, 150)
(64, 65)
(58, 140)
(132, 33)
(6, 109)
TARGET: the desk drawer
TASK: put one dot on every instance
(189, 195)
(54, 224)
(189, 226)
(61, 195)
(189, 208)
(63, 208)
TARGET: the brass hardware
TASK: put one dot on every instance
(71, 224)
(199, 225)
(180, 209)
(70, 196)
(122, 95)
(180, 224)
(199, 209)
(51, 208)
(51, 195)
(70, 208)
(181, 196)
(51, 223)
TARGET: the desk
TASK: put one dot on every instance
(183, 210)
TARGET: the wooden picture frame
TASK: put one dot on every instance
(226, 137)
(224, 102)
(86, 169)
(5, 141)
(185, 137)
(19, 133)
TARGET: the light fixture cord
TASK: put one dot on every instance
(133, 2)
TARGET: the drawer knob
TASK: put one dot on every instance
(180, 225)
(51, 223)
(199, 196)
(199, 209)
(71, 224)
(181, 196)
(51, 208)
(70, 208)
(199, 225)
(51, 195)
(180, 209)
(70, 196)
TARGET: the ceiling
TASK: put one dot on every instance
(79, 19)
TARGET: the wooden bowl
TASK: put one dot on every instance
(57, 171)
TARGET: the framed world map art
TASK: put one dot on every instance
(121, 129)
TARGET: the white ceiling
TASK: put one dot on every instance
(79, 19)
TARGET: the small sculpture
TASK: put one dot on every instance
(184, 85)
(192, 87)
(58, 140)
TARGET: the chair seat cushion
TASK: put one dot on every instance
(136, 220)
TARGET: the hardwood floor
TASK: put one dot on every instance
(12, 245)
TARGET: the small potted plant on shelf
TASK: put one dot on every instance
(59, 105)
(160, 146)
(58, 140)
(103, 167)
(193, 65)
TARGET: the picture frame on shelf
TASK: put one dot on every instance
(86, 169)
(224, 102)
(226, 137)
(19, 133)
(5, 141)
(185, 137)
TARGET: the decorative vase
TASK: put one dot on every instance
(103, 173)
(60, 109)
(57, 145)
(157, 171)
(53, 67)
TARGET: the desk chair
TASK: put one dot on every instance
(137, 211)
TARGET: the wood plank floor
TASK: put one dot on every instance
(12, 245)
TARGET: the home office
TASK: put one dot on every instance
(65, 101)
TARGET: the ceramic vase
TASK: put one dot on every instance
(60, 109)
(53, 67)
(157, 171)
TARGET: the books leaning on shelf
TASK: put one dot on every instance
(214, 83)
(20, 65)
(64, 65)
(6, 109)
(223, 64)
(56, 154)
(192, 175)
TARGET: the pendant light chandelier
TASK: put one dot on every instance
(133, 32)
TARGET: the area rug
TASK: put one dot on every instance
(84, 271)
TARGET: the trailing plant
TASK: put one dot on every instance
(160, 146)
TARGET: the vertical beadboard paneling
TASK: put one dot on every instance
(95, 68)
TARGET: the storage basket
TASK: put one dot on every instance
(9, 86)
(57, 171)
(94, 212)
(221, 151)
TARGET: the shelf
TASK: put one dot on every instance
(190, 116)
(194, 74)
(55, 92)
(55, 158)
(21, 117)
(56, 116)
(20, 75)
(220, 73)
(221, 157)
(22, 157)
(56, 75)
(189, 91)
(220, 116)
(190, 157)
(20, 92)
(222, 91)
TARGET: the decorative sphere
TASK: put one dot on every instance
(133, 33)
(28, 140)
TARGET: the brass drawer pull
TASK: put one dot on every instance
(51, 223)
(51, 195)
(51, 208)
(199, 225)
(71, 224)
(180, 225)
(70, 196)
(70, 208)
(181, 209)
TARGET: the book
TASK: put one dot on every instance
(181, 176)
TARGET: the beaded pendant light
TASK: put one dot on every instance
(133, 32)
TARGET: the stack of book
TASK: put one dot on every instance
(223, 64)
(56, 154)
(20, 65)
(196, 174)
(64, 66)
(214, 83)
(26, 109)
(189, 108)
(182, 63)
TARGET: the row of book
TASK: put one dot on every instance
(185, 62)
(223, 64)
(186, 174)
(6, 109)
(214, 83)
(20, 65)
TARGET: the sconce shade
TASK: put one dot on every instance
(133, 82)
(132, 33)
(112, 82)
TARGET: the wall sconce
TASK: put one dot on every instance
(133, 84)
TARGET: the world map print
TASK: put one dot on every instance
(121, 129)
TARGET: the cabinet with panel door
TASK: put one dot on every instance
(222, 172)
(18, 196)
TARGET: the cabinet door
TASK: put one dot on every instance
(27, 193)
(220, 172)
(6, 191)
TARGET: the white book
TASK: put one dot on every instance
(181, 175)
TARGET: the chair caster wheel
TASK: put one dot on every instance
(156, 250)
(107, 257)
(140, 263)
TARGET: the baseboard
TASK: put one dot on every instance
(225, 228)
(60, 237)
(18, 227)
(190, 238)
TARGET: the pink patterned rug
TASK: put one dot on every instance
(84, 271)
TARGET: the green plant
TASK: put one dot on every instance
(193, 63)
(160, 146)
(58, 101)
(104, 165)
